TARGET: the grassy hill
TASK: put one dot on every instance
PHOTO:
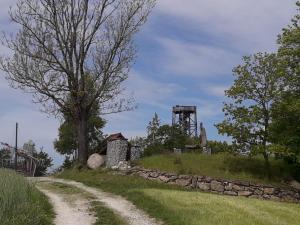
(223, 166)
(21, 203)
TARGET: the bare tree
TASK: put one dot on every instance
(64, 46)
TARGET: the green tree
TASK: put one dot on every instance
(152, 129)
(5, 154)
(59, 45)
(286, 112)
(45, 161)
(172, 137)
(67, 142)
(257, 84)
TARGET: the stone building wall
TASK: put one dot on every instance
(116, 152)
(220, 186)
(135, 153)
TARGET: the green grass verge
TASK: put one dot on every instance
(176, 206)
(21, 203)
(223, 166)
(106, 216)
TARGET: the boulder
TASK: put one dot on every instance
(204, 186)
(95, 161)
(217, 186)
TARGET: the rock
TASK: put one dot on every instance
(154, 174)
(194, 182)
(143, 174)
(244, 193)
(123, 165)
(237, 188)
(217, 186)
(269, 191)
(164, 179)
(204, 186)
(258, 192)
(183, 182)
(95, 161)
(232, 193)
(228, 187)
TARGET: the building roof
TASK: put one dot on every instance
(115, 137)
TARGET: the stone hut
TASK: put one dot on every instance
(117, 150)
(135, 153)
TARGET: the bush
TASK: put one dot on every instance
(220, 147)
(155, 149)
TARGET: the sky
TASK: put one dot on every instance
(186, 53)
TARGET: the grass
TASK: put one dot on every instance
(176, 206)
(21, 203)
(105, 216)
(223, 166)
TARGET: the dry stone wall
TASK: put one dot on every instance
(220, 186)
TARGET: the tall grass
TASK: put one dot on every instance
(21, 203)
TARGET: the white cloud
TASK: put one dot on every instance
(198, 60)
(151, 92)
(252, 25)
(216, 90)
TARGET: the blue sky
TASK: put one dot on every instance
(186, 53)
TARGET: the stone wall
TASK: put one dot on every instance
(135, 153)
(220, 186)
(116, 152)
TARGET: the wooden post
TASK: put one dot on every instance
(16, 148)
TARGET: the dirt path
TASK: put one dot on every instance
(118, 204)
(77, 213)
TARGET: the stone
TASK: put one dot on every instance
(228, 187)
(237, 188)
(135, 153)
(95, 161)
(216, 186)
(194, 182)
(232, 193)
(164, 179)
(123, 165)
(269, 191)
(244, 193)
(203, 186)
(258, 192)
(154, 174)
(116, 152)
(143, 174)
(183, 182)
(184, 177)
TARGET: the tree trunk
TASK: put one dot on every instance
(82, 138)
(267, 164)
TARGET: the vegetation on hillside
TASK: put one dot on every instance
(286, 111)
(176, 206)
(224, 166)
(262, 113)
(21, 203)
